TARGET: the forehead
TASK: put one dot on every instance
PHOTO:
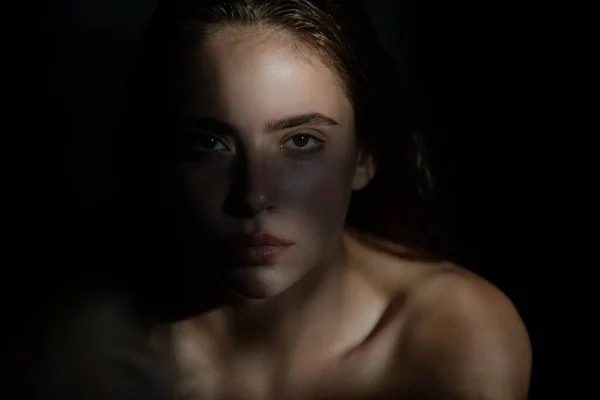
(247, 74)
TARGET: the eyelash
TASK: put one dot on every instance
(318, 146)
(200, 137)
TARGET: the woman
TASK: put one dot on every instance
(270, 171)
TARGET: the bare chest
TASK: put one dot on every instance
(207, 372)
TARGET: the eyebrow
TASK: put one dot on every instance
(298, 120)
(221, 127)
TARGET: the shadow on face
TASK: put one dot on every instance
(269, 158)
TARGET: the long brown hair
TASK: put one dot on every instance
(398, 205)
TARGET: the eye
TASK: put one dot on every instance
(206, 143)
(303, 142)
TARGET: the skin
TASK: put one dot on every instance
(334, 318)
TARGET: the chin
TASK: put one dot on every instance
(259, 282)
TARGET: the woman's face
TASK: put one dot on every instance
(270, 158)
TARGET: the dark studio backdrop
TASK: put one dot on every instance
(464, 59)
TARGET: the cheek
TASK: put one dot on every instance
(317, 189)
(205, 185)
(313, 202)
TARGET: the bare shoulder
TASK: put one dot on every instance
(465, 337)
(459, 336)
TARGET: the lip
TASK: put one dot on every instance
(258, 249)
(258, 255)
(258, 239)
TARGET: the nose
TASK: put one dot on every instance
(252, 191)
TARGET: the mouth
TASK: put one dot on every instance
(258, 249)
